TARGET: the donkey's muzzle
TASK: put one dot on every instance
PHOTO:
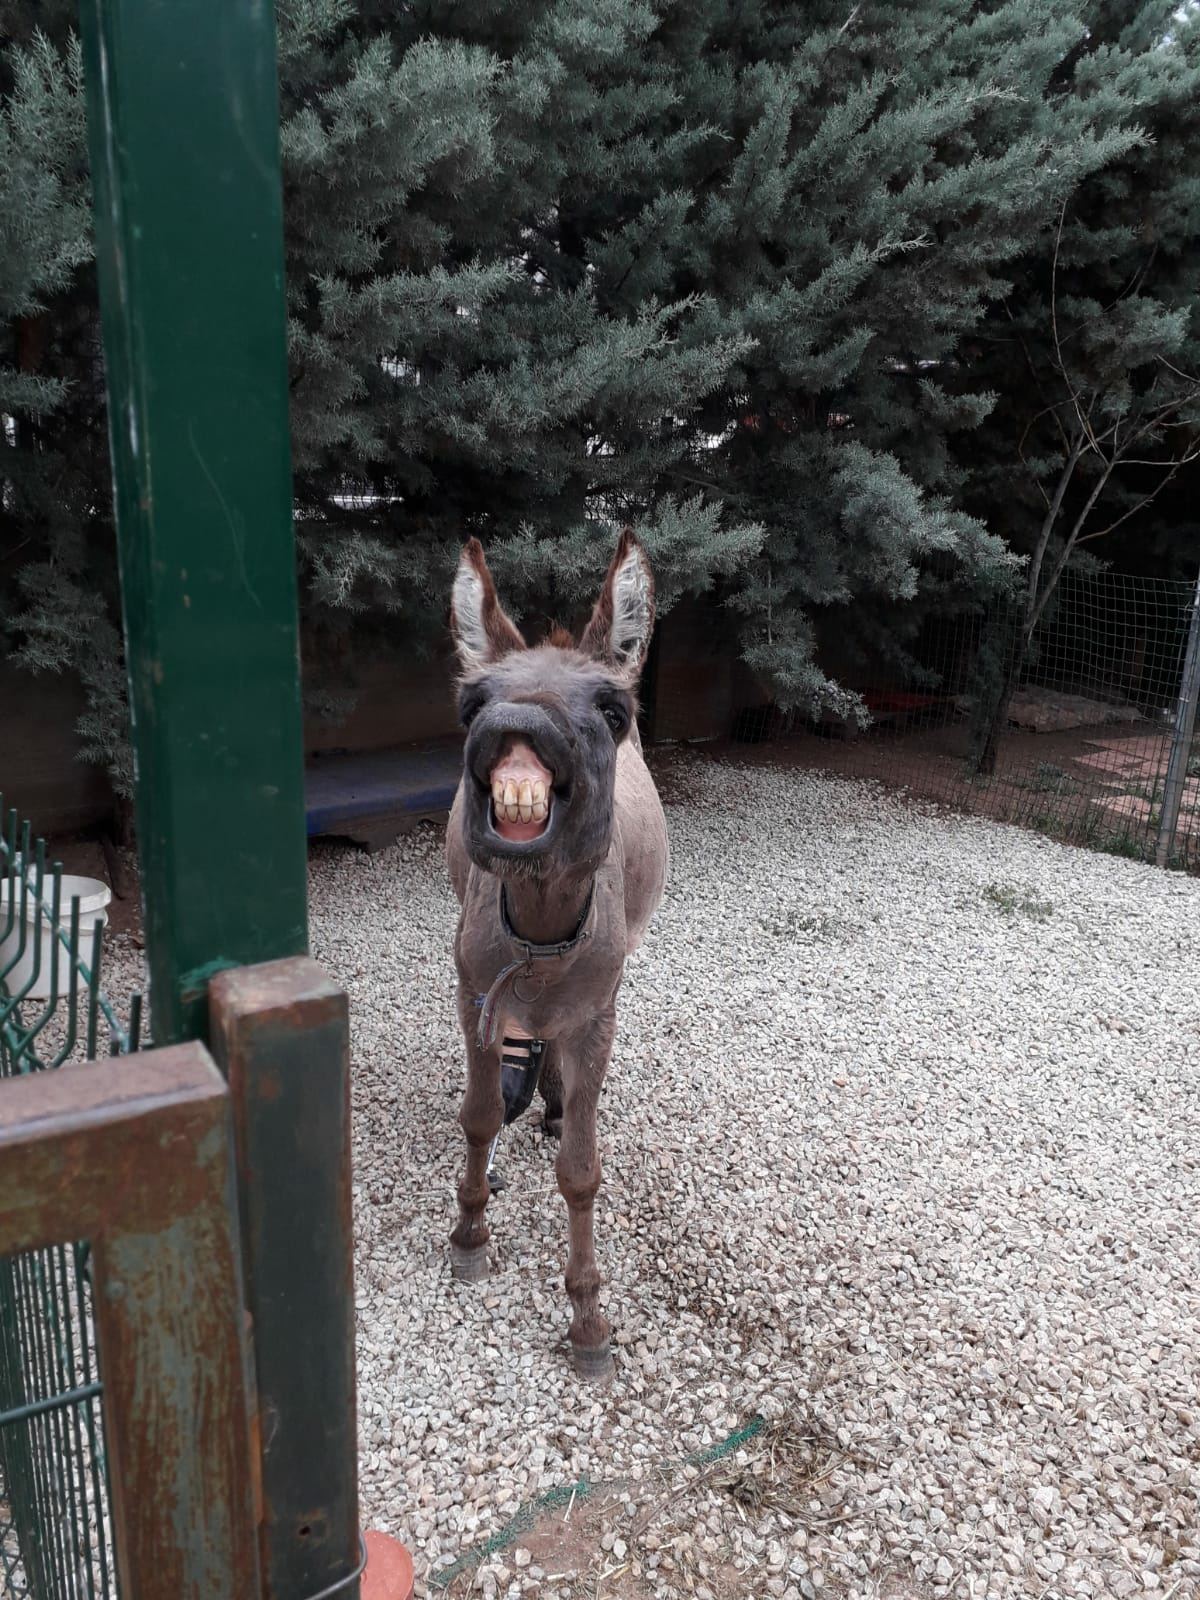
(517, 819)
(498, 725)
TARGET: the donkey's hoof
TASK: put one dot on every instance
(469, 1266)
(552, 1126)
(593, 1362)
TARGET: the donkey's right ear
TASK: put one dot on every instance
(482, 631)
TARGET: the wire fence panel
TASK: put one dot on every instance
(55, 1531)
(1085, 719)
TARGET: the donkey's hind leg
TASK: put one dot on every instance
(551, 1090)
(481, 1116)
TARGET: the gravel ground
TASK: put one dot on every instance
(900, 1154)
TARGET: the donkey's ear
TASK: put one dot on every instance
(623, 620)
(482, 631)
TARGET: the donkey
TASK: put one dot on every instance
(557, 851)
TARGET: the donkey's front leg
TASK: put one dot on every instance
(584, 1059)
(481, 1116)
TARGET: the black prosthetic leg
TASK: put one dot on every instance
(520, 1067)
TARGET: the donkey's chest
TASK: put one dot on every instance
(538, 999)
(530, 1011)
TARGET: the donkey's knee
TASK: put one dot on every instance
(480, 1116)
(578, 1180)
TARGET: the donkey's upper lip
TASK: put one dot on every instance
(519, 761)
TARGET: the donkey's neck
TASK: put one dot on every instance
(546, 912)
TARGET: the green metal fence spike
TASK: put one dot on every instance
(93, 982)
(72, 1013)
(135, 1022)
(24, 1041)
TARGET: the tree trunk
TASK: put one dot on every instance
(985, 761)
(1015, 655)
(1036, 597)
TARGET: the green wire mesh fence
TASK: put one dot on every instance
(55, 1541)
(1095, 736)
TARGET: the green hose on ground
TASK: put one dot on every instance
(527, 1515)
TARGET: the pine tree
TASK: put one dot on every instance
(892, 165)
(707, 268)
(726, 271)
(1096, 351)
(58, 613)
(462, 364)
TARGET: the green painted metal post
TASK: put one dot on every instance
(183, 115)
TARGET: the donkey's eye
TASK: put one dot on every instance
(615, 718)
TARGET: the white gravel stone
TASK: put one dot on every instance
(904, 1167)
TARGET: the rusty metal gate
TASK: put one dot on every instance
(54, 1517)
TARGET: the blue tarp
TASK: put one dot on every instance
(342, 789)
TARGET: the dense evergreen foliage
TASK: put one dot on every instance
(777, 282)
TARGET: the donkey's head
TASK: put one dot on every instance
(543, 724)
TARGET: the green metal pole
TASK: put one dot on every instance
(183, 109)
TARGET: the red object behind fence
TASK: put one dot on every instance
(389, 1573)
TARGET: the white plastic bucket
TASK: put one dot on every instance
(93, 900)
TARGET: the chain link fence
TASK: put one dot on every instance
(55, 1535)
(1095, 727)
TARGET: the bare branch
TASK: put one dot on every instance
(1154, 423)
(1192, 453)
(1086, 538)
(1179, 373)
(1032, 423)
(1110, 436)
(1047, 528)
(1051, 406)
(1067, 550)
(1061, 361)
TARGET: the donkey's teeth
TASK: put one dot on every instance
(521, 793)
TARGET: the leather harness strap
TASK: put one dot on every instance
(525, 964)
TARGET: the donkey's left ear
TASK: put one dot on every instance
(623, 620)
(482, 629)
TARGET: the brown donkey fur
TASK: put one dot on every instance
(557, 850)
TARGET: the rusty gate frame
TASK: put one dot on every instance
(136, 1154)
